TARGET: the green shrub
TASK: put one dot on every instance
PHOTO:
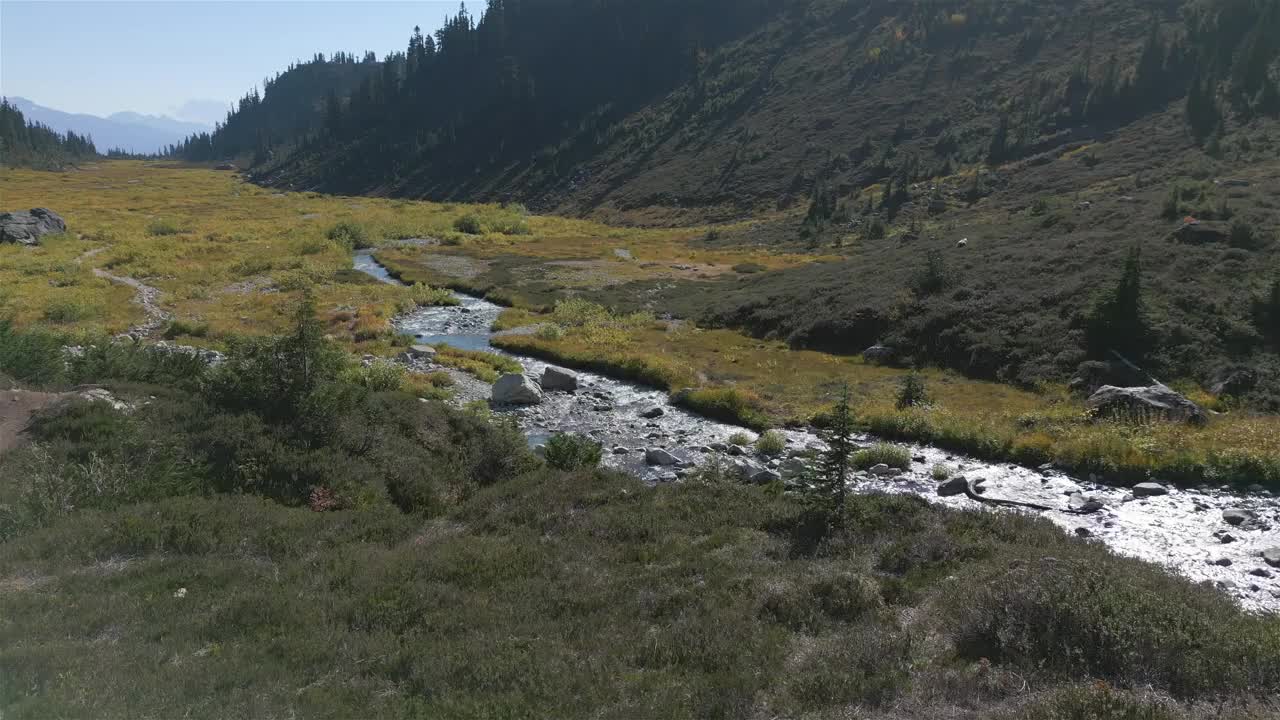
(566, 451)
(161, 226)
(911, 391)
(424, 295)
(739, 438)
(882, 453)
(67, 311)
(469, 224)
(33, 357)
(349, 235)
(727, 405)
(771, 442)
(1097, 701)
(1115, 619)
(179, 328)
(134, 361)
(940, 472)
(378, 376)
(1243, 235)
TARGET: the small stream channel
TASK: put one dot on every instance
(1184, 530)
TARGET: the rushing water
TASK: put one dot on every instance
(1184, 530)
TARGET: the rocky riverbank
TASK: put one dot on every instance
(1209, 534)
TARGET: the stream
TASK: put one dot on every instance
(1185, 530)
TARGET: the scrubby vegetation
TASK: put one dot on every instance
(572, 452)
(304, 544)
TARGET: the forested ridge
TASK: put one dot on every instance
(30, 144)
(521, 98)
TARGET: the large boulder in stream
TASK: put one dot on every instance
(516, 390)
(1271, 556)
(27, 227)
(554, 378)
(658, 456)
(1154, 401)
(1149, 489)
(953, 486)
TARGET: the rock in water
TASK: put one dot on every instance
(516, 390)
(658, 456)
(1237, 516)
(1080, 504)
(554, 378)
(1149, 490)
(882, 469)
(26, 228)
(1145, 402)
(1272, 556)
(953, 486)
(653, 412)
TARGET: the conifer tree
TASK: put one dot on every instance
(1118, 319)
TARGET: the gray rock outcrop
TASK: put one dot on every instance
(658, 456)
(879, 354)
(1149, 490)
(554, 378)
(516, 390)
(27, 227)
(953, 486)
(1238, 516)
(1155, 401)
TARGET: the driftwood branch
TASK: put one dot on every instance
(972, 494)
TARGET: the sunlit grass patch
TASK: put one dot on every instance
(485, 366)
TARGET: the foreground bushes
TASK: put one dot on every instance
(684, 601)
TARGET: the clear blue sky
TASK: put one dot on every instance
(155, 57)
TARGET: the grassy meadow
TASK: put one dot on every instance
(765, 384)
(228, 257)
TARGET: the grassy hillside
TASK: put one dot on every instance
(1052, 136)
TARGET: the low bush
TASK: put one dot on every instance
(33, 357)
(771, 442)
(894, 456)
(161, 227)
(469, 224)
(732, 405)
(349, 235)
(484, 365)
(1113, 619)
(740, 438)
(424, 295)
(567, 451)
(179, 328)
(911, 391)
(62, 312)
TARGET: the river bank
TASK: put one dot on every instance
(1186, 530)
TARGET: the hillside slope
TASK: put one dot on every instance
(1053, 136)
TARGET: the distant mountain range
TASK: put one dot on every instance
(129, 131)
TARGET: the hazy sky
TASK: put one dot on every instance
(190, 58)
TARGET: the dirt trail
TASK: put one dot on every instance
(146, 296)
(16, 408)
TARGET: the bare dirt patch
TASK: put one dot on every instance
(16, 409)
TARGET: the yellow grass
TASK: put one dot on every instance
(229, 258)
(766, 384)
